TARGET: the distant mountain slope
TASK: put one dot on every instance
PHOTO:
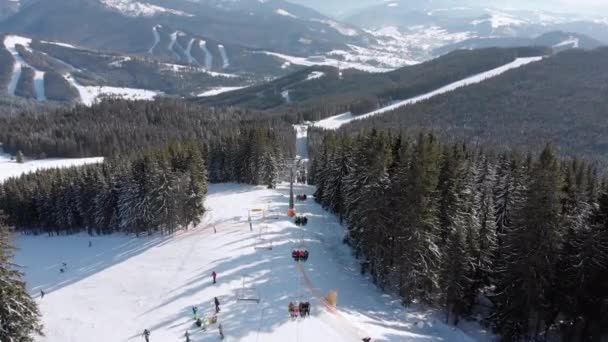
(557, 40)
(327, 91)
(562, 99)
(65, 73)
(274, 25)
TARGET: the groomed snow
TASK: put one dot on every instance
(218, 90)
(90, 94)
(337, 121)
(191, 59)
(572, 42)
(10, 43)
(225, 60)
(156, 38)
(208, 56)
(122, 285)
(10, 168)
(325, 61)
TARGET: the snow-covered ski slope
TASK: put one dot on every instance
(11, 42)
(338, 121)
(10, 168)
(122, 285)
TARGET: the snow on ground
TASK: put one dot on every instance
(180, 68)
(141, 9)
(301, 141)
(156, 38)
(284, 13)
(10, 43)
(90, 94)
(191, 59)
(208, 56)
(172, 43)
(225, 60)
(322, 60)
(315, 75)
(122, 285)
(572, 42)
(343, 30)
(337, 121)
(10, 168)
(218, 90)
(285, 96)
(60, 44)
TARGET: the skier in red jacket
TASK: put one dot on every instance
(214, 275)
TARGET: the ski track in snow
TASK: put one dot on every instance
(191, 59)
(338, 121)
(10, 168)
(122, 285)
(224, 56)
(218, 90)
(10, 43)
(156, 38)
(208, 56)
(172, 44)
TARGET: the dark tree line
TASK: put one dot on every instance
(561, 100)
(457, 227)
(161, 190)
(115, 127)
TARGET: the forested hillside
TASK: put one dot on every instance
(560, 100)
(319, 92)
(523, 239)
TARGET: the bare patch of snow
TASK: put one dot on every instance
(134, 8)
(10, 168)
(315, 75)
(90, 94)
(218, 90)
(284, 13)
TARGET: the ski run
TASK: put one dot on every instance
(121, 285)
(338, 121)
(10, 43)
(10, 168)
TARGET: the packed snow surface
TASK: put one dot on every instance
(225, 60)
(10, 168)
(188, 51)
(315, 75)
(122, 285)
(218, 90)
(156, 38)
(90, 94)
(208, 56)
(10, 43)
(570, 42)
(337, 121)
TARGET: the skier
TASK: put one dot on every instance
(187, 334)
(291, 308)
(305, 256)
(199, 322)
(214, 275)
(194, 311)
(42, 294)
(146, 335)
(366, 339)
(294, 255)
(221, 331)
(302, 309)
(217, 304)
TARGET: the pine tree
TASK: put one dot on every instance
(421, 257)
(530, 254)
(18, 312)
(19, 158)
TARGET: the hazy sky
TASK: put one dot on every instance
(593, 7)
